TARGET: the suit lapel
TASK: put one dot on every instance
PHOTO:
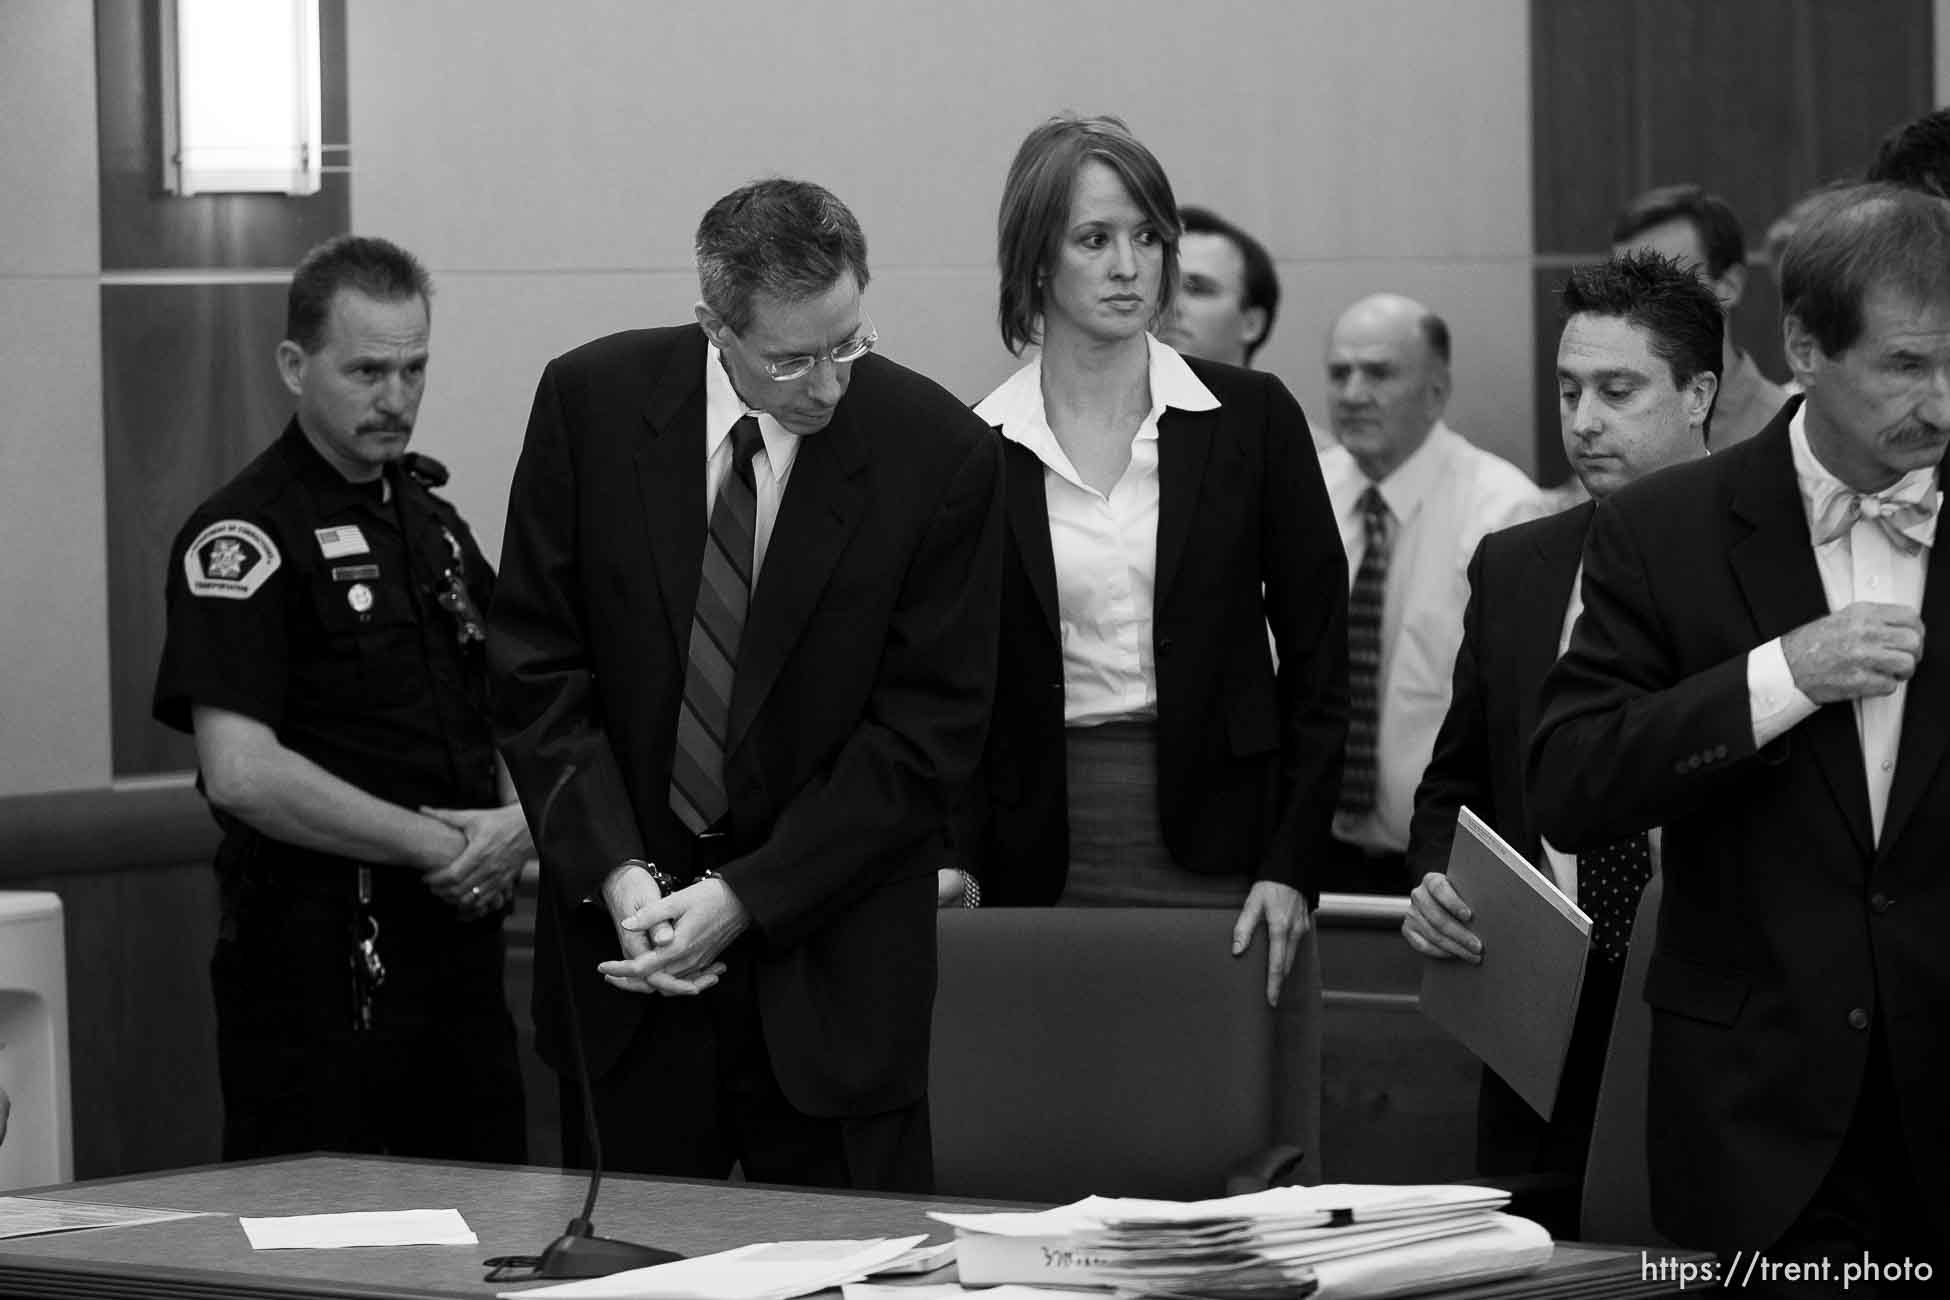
(670, 481)
(823, 504)
(1184, 445)
(1926, 706)
(1774, 566)
(1029, 524)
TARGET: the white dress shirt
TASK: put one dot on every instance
(771, 466)
(1105, 545)
(1441, 501)
(1862, 564)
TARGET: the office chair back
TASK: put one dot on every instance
(1117, 1051)
(1617, 1205)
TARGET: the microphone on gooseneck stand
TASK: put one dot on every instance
(579, 1252)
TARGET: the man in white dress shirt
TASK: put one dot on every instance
(1751, 674)
(1412, 498)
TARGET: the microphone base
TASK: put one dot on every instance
(579, 1253)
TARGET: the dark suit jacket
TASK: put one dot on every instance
(1249, 762)
(1519, 587)
(863, 685)
(1781, 920)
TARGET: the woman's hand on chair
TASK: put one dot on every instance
(1283, 911)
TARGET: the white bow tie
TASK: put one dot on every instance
(1906, 514)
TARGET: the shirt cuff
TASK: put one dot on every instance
(1776, 703)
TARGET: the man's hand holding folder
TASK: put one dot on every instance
(1437, 924)
(1513, 999)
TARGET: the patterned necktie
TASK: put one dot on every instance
(1610, 880)
(1908, 519)
(1364, 605)
(697, 792)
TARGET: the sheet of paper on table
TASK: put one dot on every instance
(33, 1216)
(767, 1270)
(360, 1228)
(953, 1291)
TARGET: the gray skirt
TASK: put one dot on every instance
(1118, 856)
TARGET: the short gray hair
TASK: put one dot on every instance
(790, 240)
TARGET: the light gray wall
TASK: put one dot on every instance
(53, 550)
(550, 163)
(551, 160)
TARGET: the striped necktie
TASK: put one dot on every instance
(1359, 776)
(697, 793)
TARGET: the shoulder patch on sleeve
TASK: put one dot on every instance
(230, 559)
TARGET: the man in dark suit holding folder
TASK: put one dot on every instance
(1751, 674)
(1637, 371)
(745, 641)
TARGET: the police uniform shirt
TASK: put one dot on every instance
(315, 606)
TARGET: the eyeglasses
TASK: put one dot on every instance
(845, 354)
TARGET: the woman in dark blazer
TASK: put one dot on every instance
(1164, 514)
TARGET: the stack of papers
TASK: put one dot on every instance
(1336, 1240)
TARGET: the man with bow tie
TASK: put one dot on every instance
(1751, 673)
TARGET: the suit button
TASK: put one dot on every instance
(1858, 1019)
(1164, 646)
(1680, 767)
(1879, 902)
(1719, 751)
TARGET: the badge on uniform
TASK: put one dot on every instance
(359, 596)
(336, 543)
(230, 559)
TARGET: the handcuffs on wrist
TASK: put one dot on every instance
(666, 883)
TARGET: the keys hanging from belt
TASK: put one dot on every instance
(368, 968)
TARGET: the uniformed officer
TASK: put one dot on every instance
(325, 646)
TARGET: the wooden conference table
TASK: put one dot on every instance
(514, 1211)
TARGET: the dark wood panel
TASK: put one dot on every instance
(190, 394)
(131, 866)
(1397, 1094)
(140, 912)
(104, 830)
(1584, 108)
(1758, 100)
(1397, 1099)
(145, 228)
(142, 1041)
(1875, 69)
